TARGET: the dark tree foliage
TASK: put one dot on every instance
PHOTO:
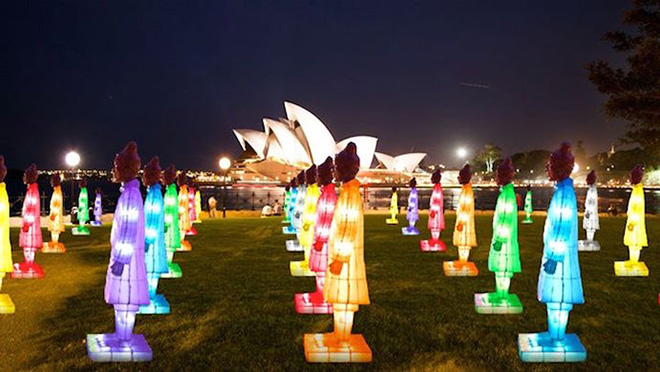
(634, 91)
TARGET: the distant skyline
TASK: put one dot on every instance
(177, 76)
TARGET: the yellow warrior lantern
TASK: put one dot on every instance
(301, 268)
(6, 263)
(635, 234)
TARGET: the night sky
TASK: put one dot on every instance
(178, 76)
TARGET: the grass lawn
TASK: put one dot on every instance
(233, 308)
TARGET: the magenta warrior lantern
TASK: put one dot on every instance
(413, 210)
(30, 237)
(436, 217)
(6, 265)
(560, 282)
(98, 208)
(126, 279)
(314, 303)
(192, 212)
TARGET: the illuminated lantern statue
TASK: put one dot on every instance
(590, 222)
(6, 264)
(30, 237)
(184, 214)
(635, 235)
(126, 279)
(291, 208)
(413, 210)
(308, 219)
(192, 212)
(155, 256)
(98, 208)
(83, 210)
(293, 245)
(172, 233)
(55, 218)
(394, 209)
(560, 284)
(436, 217)
(314, 303)
(346, 277)
(465, 236)
(504, 257)
(285, 207)
(528, 206)
(198, 206)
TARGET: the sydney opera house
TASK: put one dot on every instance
(288, 145)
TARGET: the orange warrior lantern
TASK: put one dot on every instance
(184, 213)
(6, 264)
(635, 235)
(55, 218)
(436, 217)
(346, 284)
(465, 236)
(30, 238)
(306, 236)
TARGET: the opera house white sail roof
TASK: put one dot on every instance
(301, 139)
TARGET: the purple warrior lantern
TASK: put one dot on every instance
(98, 208)
(126, 279)
(413, 210)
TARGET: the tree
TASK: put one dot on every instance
(488, 156)
(634, 92)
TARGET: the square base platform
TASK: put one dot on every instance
(197, 221)
(288, 230)
(293, 246)
(96, 223)
(527, 221)
(107, 348)
(629, 268)
(51, 247)
(323, 348)
(25, 271)
(185, 246)
(311, 303)
(300, 268)
(409, 231)
(458, 268)
(432, 246)
(588, 245)
(80, 230)
(539, 348)
(492, 303)
(175, 271)
(392, 221)
(6, 304)
(157, 305)
(286, 222)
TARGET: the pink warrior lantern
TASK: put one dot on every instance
(436, 217)
(346, 286)
(184, 214)
(313, 303)
(465, 236)
(55, 218)
(6, 264)
(30, 237)
(192, 212)
(308, 220)
(126, 280)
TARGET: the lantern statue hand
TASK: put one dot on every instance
(586, 214)
(497, 245)
(318, 246)
(306, 226)
(117, 268)
(550, 266)
(26, 227)
(631, 226)
(433, 213)
(459, 227)
(336, 266)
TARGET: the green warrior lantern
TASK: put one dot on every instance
(83, 210)
(528, 205)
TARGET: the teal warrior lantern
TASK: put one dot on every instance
(83, 210)
(560, 283)
(503, 258)
(528, 205)
(293, 245)
(291, 208)
(285, 207)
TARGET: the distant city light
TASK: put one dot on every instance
(224, 163)
(72, 159)
(461, 152)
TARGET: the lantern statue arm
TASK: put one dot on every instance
(125, 240)
(346, 232)
(556, 232)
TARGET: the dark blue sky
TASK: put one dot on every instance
(177, 76)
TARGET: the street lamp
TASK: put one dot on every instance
(225, 164)
(72, 159)
(461, 152)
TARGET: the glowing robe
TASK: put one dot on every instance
(413, 206)
(154, 217)
(172, 233)
(636, 220)
(325, 209)
(83, 206)
(98, 208)
(184, 214)
(191, 206)
(436, 213)
(6, 263)
(291, 208)
(198, 205)
(590, 221)
(504, 255)
(464, 232)
(394, 204)
(31, 218)
(309, 217)
(300, 208)
(56, 218)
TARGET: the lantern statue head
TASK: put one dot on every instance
(529, 187)
(347, 163)
(82, 183)
(591, 178)
(310, 175)
(30, 175)
(326, 170)
(294, 182)
(3, 169)
(412, 183)
(561, 162)
(127, 163)
(301, 178)
(636, 175)
(393, 188)
(436, 176)
(182, 179)
(98, 191)
(169, 175)
(505, 172)
(152, 174)
(465, 175)
(287, 188)
(55, 180)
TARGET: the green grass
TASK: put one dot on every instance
(233, 308)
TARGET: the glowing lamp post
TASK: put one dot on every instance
(224, 164)
(72, 159)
